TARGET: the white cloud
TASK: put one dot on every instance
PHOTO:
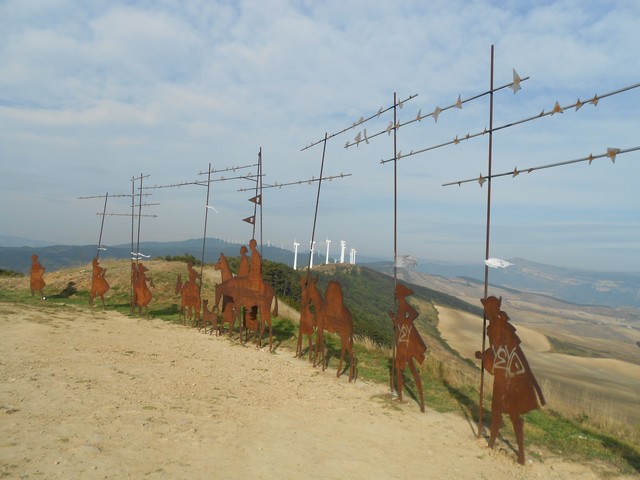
(110, 89)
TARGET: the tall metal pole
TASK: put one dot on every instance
(204, 235)
(315, 215)
(104, 213)
(139, 220)
(261, 200)
(486, 255)
(395, 235)
(133, 216)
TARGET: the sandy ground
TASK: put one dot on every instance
(89, 394)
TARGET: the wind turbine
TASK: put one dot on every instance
(343, 247)
(295, 254)
(313, 244)
(327, 259)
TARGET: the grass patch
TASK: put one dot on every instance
(559, 346)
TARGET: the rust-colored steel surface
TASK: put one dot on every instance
(189, 296)
(142, 293)
(37, 282)
(228, 307)
(332, 315)
(409, 343)
(251, 293)
(209, 317)
(307, 319)
(99, 284)
(515, 389)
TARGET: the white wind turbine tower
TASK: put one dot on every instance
(295, 254)
(343, 247)
(352, 256)
(313, 244)
(327, 259)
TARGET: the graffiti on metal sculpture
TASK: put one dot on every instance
(515, 389)
(409, 343)
(332, 315)
(189, 296)
(99, 284)
(37, 282)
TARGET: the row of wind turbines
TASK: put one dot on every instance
(343, 249)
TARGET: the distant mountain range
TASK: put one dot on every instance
(583, 287)
(570, 285)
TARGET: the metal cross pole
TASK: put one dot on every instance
(104, 211)
(207, 206)
(315, 215)
(360, 121)
(395, 239)
(436, 112)
(207, 184)
(104, 214)
(611, 154)
(134, 272)
(308, 181)
(486, 268)
(557, 108)
(204, 235)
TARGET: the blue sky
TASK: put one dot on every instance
(94, 93)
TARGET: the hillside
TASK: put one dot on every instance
(449, 381)
(579, 286)
(56, 257)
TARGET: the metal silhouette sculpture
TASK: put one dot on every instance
(189, 296)
(99, 284)
(228, 314)
(209, 317)
(251, 293)
(409, 343)
(142, 294)
(515, 389)
(332, 315)
(37, 282)
(307, 319)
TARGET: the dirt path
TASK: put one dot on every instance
(89, 394)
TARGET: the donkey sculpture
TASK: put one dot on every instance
(334, 316)
(251, 294)
(209, 316)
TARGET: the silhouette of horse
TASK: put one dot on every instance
(250, 293)
(334, 316)
(307, 320)
(189, 300)
(142, 295)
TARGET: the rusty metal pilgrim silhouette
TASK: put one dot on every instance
(515, 389)
(37, 282)
(409, 343)
(99, 284)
